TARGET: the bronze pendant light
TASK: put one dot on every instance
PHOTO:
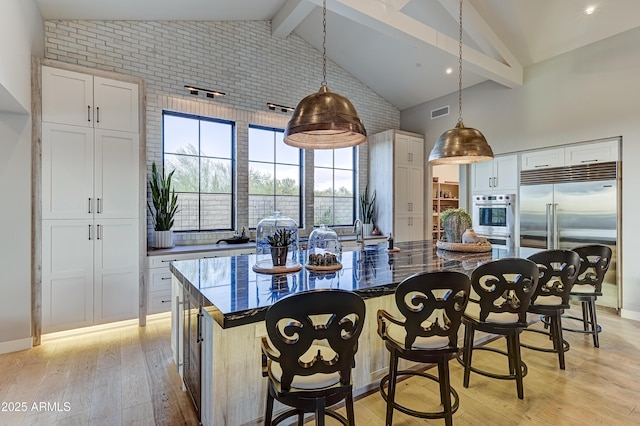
(324, 120)
(461, 145)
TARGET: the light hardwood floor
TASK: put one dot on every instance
(126, 376)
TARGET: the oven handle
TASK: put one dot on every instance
(507, 204)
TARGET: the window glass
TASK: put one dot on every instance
(334, 187)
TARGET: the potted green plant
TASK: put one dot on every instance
(455, 223)
(367, 210)
(164, 209)
(279, 242)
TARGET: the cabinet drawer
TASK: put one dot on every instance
(159, 301)
(159, 279)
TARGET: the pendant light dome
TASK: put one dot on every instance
(461, 145)
(324, 120)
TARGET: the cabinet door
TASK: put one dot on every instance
(401, 192)
(67, 274)
(401, 229)
(506, 173)
(116, 270)
(591, 153)
(415, 189)
(67, 172)
(116, 105)
(67, 97)
(409, 150)
(482, 176)
(543, 159)
(116, 174)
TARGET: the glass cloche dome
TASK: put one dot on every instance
(323, 247)
(276, 230)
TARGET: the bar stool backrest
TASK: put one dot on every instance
(297, 322)
(596, 259)
(434, 299)
(558, 272)
(505, 285)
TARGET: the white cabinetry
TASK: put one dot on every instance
(158, 275)
(90, 206)
(84, 100)
(573, 155)
(396, 173)
(497, 175)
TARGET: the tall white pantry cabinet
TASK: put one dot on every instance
(90, 200)
(396, 173)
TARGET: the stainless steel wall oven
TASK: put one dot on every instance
(494, 217)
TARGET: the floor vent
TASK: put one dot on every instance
(439, 112)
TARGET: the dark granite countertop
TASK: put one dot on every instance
(236, 295)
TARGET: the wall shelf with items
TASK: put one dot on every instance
(446, 195)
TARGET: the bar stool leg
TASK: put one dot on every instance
(558, 344)
(320, 412)
(513, 344)
(351, 418)
(467, 352)
(268, 412)
(300, 418)
(391, 393)
(585, 315)
(445, 390)
(594, 324)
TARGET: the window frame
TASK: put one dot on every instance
(233, 160)
(275, 163)
(354, 210)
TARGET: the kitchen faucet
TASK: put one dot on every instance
(357, 228)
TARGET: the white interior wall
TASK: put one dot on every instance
(21, 35)
(590, 93)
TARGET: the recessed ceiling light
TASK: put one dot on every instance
(449, 70)
(589, 10)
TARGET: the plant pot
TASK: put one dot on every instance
(367, 228)
(279, 255)
(163, 239)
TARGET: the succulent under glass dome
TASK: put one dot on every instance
(274, 231)
(323, 247)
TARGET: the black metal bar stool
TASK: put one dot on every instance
(305, 373)
(596, 259)
(432, 304)
(504, 287)
(558, 271)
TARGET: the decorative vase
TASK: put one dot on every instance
(454, 227)
(469, 237)
(279, 255)
(163, 239)
(367, 228)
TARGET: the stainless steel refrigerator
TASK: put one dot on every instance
(566, 207)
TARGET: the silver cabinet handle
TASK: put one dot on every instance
(89, 113)
(97, 114)
(165, 301)
(490, 179)
(89, 232)
(495, 182)
(89, 205)
(169, 260)
(542, 165)
(99, 206)
(165, 278)
(98, 233)
(590, 161)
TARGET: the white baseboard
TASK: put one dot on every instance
(632, 315)
(15, 345)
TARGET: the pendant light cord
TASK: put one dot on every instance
(460, 69)
(324, 43)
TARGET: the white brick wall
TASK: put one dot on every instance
(240, 58)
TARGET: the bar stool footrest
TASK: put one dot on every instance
(421, 414)
(485, 373)
(565, 344)
(577, 330)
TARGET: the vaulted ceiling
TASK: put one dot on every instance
(401, 48)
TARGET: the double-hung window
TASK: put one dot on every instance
(200, 150)
(334, 186)
(275, 176)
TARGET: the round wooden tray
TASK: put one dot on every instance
(467, 248)
(323, 268)
(276, 269)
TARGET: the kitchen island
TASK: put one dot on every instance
(222, 302)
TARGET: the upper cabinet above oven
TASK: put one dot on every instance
(497, 176)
